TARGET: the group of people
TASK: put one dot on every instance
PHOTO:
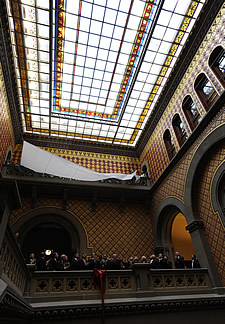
(56, 262)
(180, 264)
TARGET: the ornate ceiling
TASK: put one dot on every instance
(93, 70)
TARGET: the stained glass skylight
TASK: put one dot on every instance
(94, 69)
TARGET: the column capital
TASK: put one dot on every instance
(195, 225)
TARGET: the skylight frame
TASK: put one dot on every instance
(38, 102)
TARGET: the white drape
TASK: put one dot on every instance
(42, 161)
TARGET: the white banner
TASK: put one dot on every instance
(42, 161)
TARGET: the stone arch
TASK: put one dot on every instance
(195, 224)
(218, 192)
(145, 171)
(214, 137)
(144, 167)
(169, 207)
(52, 214)
(165, 215)
(8, 156)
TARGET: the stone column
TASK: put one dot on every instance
(4, 218)
(199, 240)
(142, 274)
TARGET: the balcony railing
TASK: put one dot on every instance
(54, 294)
(13, 269)
(21, 171)
(79, 285)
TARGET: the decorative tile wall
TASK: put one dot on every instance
(6, 130)
(155, 152)
(174, 185)
(131, 232)
(109, 231)
(214, 227)
(94, 161)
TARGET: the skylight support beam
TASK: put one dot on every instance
(50, 63)
(145, 47)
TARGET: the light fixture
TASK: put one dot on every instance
(48, 252)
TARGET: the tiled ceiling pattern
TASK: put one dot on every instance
(94, 69)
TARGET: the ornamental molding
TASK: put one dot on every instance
(128, 309)
(195, 225)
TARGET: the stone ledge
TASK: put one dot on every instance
(131, 306)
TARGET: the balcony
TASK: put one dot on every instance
(50, 295)
(11, 170)
(30, 296)
(79, 285)
(30, 183)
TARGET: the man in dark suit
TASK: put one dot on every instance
(194, 262)
(83, 264)
(179, 261)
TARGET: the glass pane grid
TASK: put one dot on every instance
(89, 55)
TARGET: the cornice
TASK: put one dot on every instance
(13, 308)
(60, 143)
(132, 309)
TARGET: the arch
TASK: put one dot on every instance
(179, 129)
(191, 112)
(144, 168)
(181, 238)
(170, 148)
(54, 215)
(199, 239)
(145, 172)
(165, 215)
(216, 135)
(49, 236)
(218, 192)
(205, 91)
(217, 63)
(8, 156)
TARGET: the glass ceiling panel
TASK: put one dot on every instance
(94, 69)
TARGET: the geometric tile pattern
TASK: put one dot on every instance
(109, 231)
(131, 233)
(94, 161)
(155, 153)
(6, 133)
(173, 186)
(214, 228)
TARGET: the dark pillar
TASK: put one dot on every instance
(142, 275)
(199, 240)
(4, 217)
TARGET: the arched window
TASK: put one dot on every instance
(217, 63)
(205, 91)
(169, 144)
(191, 112)
(8, 156)
(179, 129)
